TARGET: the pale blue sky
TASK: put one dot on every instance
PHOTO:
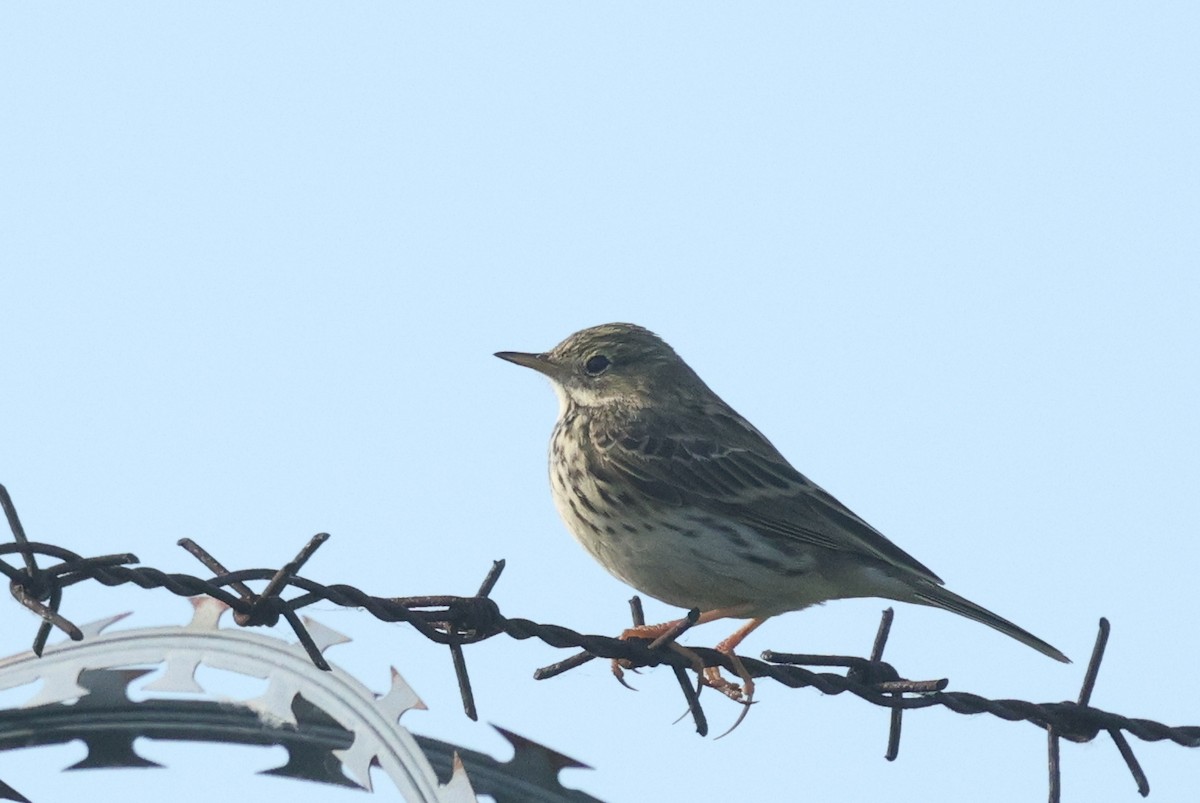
(256, 259)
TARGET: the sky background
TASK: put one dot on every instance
(255, 260)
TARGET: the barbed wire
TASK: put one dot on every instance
(455, 621)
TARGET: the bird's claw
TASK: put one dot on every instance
(619, 665)
(745, 710)
(740, 693)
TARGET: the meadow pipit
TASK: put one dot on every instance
(683, 499)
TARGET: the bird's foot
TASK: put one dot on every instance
(651, 632)
(740, 693)
(619, 665)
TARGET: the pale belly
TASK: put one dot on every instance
(692, 559)
(698, 558)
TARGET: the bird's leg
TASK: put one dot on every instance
(712, 675)
(619, 665)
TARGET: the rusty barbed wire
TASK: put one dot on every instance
(455, 621)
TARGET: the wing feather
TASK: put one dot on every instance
(735, 471)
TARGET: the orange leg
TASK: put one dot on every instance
(712, 675)
(652, 632)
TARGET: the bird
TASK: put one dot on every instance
(680, 497)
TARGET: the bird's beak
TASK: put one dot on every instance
(538, 362)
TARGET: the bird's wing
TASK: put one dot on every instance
(729, 467)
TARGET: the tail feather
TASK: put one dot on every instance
(938, 597)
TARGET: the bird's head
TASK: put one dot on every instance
(614, 364)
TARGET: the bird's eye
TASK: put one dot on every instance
(596, 365)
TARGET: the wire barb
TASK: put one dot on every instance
(1085, 732)
(40, 590)
(896, 718)
(456, 621)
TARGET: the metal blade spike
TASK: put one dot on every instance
(93, 629)
(206, 613)
(400, 699)
(323, 636)
(357, 762)
(458, 788)
(532, 754)
(274, 706)
(179, 675)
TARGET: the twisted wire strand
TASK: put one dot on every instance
(454, 621)
(457, 620)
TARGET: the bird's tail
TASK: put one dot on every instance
(938, 597)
